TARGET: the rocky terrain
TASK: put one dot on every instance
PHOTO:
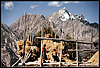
(75, 25)
(8, 46)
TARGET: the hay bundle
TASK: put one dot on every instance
(28, 47)
(20, 46)
(94, 58)
(49, 36)
(50, 46)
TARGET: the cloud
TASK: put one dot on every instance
(58, 4)
(9, 5)
(55, 3)
(66, 2)
(33, 6)
(70, 2)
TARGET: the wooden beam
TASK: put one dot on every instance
(90, 64)
(83, 49)
(38, 63)
(41, 44)
(73, 41)
(16, 62)
(24, 37)
(41, 55)
(55, 63)
(29, 63)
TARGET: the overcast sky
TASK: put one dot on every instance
(13, 10)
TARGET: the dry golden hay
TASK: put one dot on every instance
(48, 36)
(27, 47)
(20, 42)
(35, 47)
(28, 43)
(51, 45)
(67, 60)
(94, 58)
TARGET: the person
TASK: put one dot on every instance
(54, 55)
(44, 52)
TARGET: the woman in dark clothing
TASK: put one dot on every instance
(44, 52)
(54, 55)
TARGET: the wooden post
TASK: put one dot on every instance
(41, 45)
(61, 46)
(24, 38)
(41, 54)
(55, 35)
(77, 53)
(60, 54)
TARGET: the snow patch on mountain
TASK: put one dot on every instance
(72, 17)
(63, 14)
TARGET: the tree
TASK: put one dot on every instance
(46, 30)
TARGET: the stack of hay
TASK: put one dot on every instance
(94, 58)
(50, 46)
(28, 47)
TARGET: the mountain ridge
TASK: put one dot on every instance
(33, 22)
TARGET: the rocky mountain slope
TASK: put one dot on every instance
(82, 28)
(33, 23)
(8, 46)
(74, 25)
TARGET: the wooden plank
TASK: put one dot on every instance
(16, 62)
(91, 64)
(38, 63)
(24, 37)
(55, 63)
(73, 41)
(83, 49)
(29, 63)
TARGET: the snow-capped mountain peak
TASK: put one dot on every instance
(64, 14)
